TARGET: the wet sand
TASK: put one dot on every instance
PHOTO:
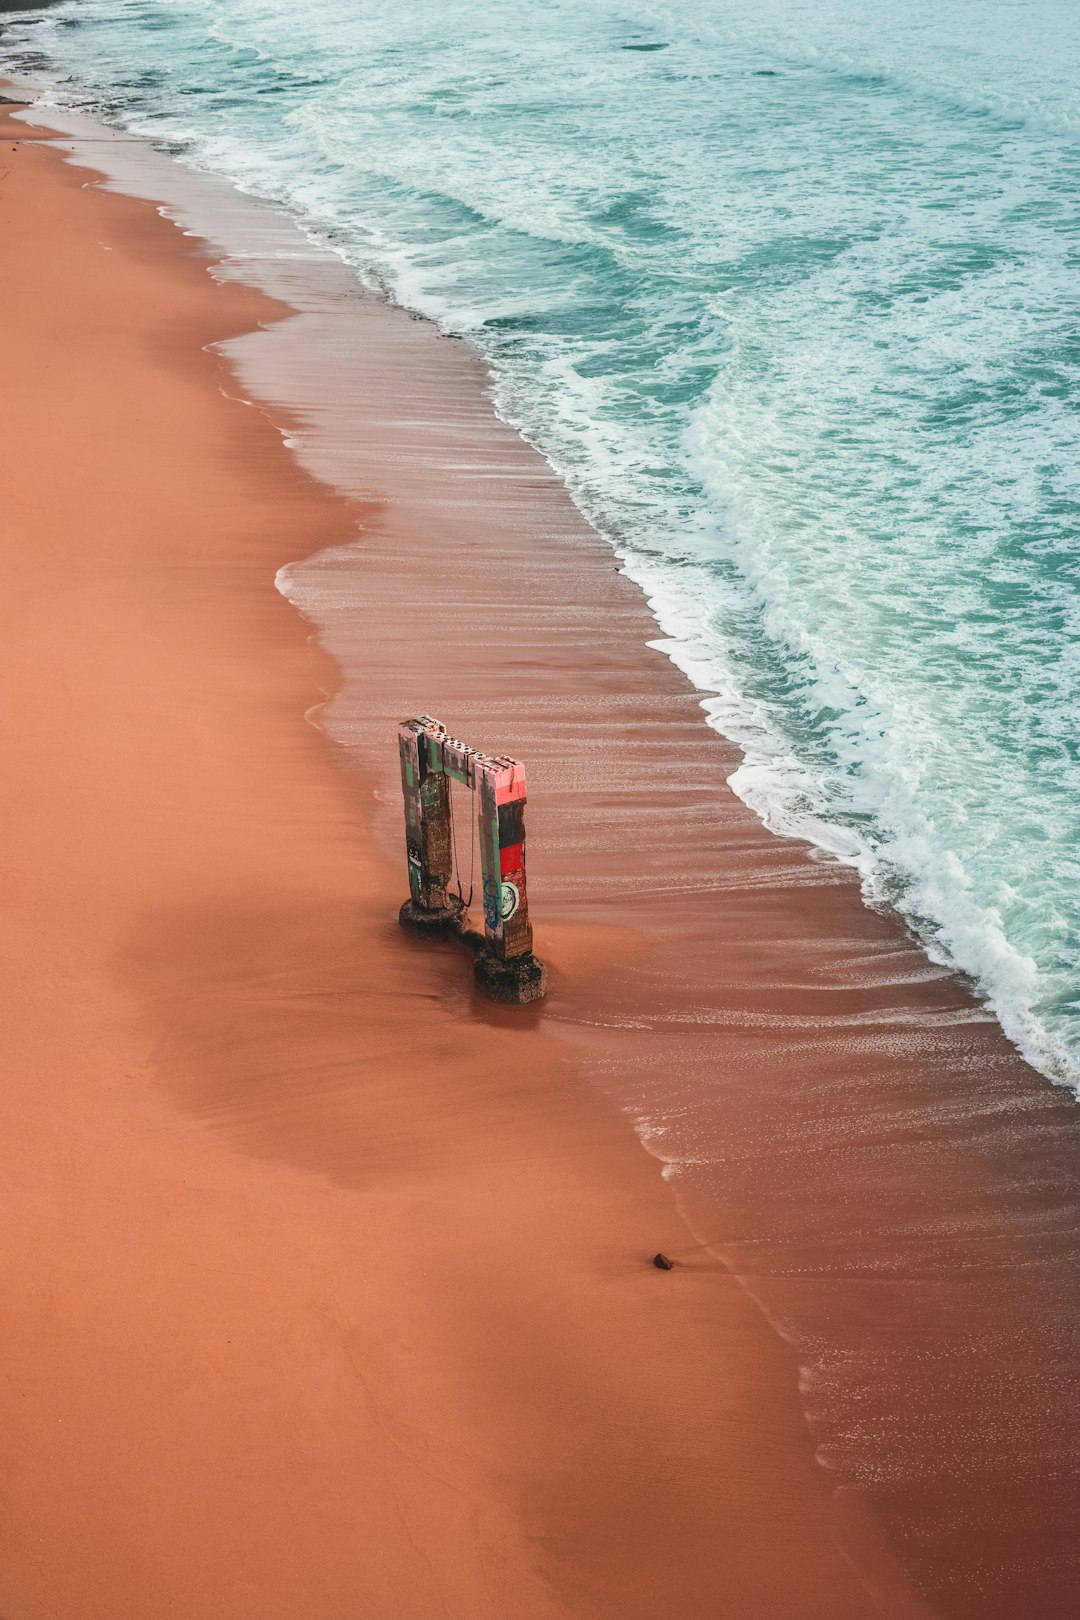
(328, 1283)
(326, 1288)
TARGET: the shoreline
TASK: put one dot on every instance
(733, 960)
(329, 1323)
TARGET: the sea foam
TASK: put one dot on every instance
(789, 304)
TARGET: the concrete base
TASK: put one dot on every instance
(424, 924)
(516, 981)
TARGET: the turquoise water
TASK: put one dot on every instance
(787, 292)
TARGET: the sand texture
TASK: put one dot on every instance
(327, 1284)
(324, 1294)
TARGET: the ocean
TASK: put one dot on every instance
(787, 295)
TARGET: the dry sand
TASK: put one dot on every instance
(326, 1284)
(322, 1297)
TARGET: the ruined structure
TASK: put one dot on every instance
(431, 761)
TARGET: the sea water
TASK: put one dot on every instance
(787, 293)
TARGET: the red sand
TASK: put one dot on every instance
(319, 1299)
(326, 1285)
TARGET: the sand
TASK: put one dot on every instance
(322, 1296)
(327, 1284)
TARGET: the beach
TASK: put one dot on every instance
(328, 1284)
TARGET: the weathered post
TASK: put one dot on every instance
(430, 909)
(506, 968)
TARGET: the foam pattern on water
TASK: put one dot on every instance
(786, 292)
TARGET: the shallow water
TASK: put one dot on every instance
(842, 1128)
(785, 292)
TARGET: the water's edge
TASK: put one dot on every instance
(835, 1224)
(253, 250)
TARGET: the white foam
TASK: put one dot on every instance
(780, 398)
